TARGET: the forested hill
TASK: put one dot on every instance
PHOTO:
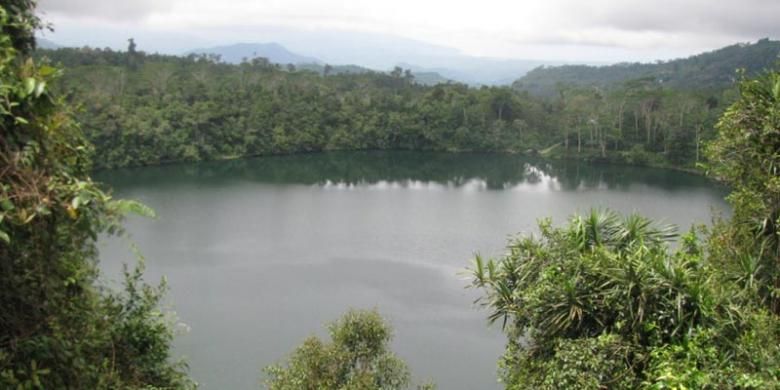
(273, 51)
(140, 109)
(715, 69)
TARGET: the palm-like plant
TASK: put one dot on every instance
(605, 228)
(599, 274)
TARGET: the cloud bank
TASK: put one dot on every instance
(486, 27)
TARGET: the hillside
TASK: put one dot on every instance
(422, 78)
(713, 69)
(478, 71)
(142, 109)
(274, 52)
(47, 44)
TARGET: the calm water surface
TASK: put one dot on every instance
(260, 253)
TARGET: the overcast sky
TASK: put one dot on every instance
(590, 30)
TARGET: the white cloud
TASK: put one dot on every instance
(486, 27)
(115, 10)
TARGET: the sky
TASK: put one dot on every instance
(562, 30)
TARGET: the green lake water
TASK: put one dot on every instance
(260, 253)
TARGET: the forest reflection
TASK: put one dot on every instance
(410, 170)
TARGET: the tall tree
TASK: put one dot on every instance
(746, 156)
(58, 328)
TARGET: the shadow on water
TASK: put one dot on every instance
(495, 171)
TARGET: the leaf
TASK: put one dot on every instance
(5, 237)
(79, 200)
(40, 87)
(47, 70)
(6, 204)
(125, 207)
(29, 86)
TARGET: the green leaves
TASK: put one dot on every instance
(125, 206)
(604, 281)
(59, 327)
(32, 87)
(357, 357)
(29, 86)
(746, 156)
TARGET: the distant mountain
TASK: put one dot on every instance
(715, 69)
(383, 51)
(376, 51)
(424, 78)
(274, 52)
(43, 43)
(439, 64)
(334, 69)
(480, 70)
(430, 78)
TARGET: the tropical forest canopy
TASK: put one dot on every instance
(601, 302)
(140, 109)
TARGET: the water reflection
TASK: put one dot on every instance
(259, 253)
(410, 170)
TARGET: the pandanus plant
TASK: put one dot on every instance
(600, 275)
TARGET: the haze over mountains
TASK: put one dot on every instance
(380, 52)
(435, 63)
(273, 51)
(713, 69)
(348, 52)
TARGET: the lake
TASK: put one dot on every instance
(261, 253)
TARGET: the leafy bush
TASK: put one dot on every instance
(746, 156)
(58, 328)
(602, 302)
(356, 358)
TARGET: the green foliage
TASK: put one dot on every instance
(602, 302)
(746, 156)
(58, 328)
(588, 363)
(356, 358)
(711, 70)
(638, 156)
(165, 109)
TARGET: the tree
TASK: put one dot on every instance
(155, 111)
(746, 156)
(58, 327)
(357, 358)
(132, 55)
(131, 46)
(603, 303)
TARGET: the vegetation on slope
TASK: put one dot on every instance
(59, 329)
(141, 109)
(600, 302)
(603, 302)
(708, 71)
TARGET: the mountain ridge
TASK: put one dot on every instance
(273, 51)
(711, 69)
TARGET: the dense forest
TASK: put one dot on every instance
(602, 302)
(142, 109)
(707, 71)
